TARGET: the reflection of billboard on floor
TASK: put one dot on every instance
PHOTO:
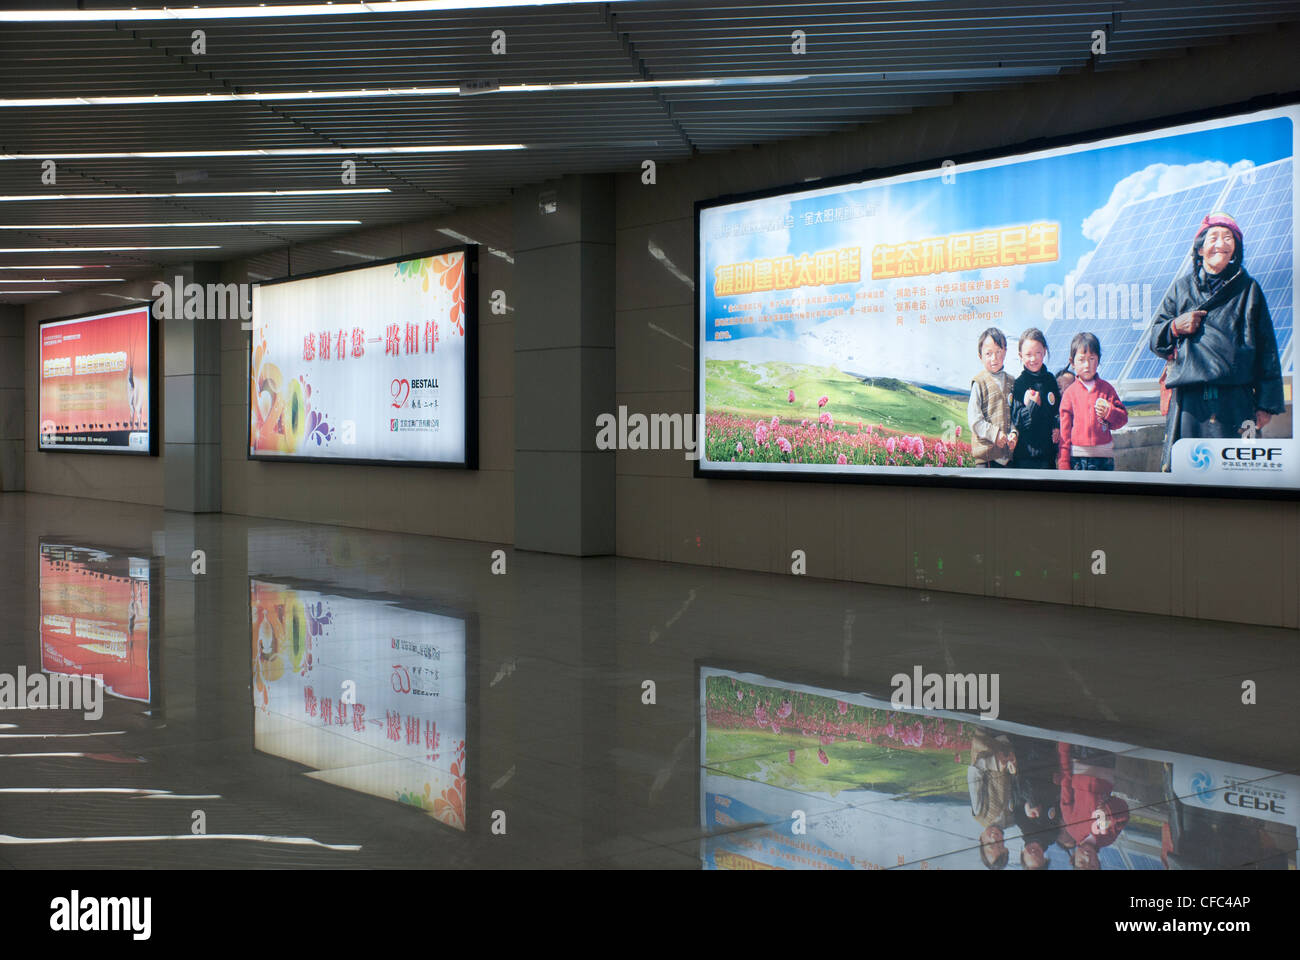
(95, 617)
(368, 694)
(96, 391)
(839, 327)
(798, 777)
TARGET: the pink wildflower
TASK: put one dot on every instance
(823, 401)
(740, 448)
(841, 460)
(821, 755)
(790, 399)
(784, 444)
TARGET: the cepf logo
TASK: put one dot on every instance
(1201, 456)
(1202, 785)
(1269, 454)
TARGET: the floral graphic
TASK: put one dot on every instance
(448, 271)
(450, 807)
(282, 416)
(822, 442)
(283, 629)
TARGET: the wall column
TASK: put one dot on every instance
(192, 395)
(564, 365)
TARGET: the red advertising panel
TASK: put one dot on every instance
(95, 618)
(95, 383)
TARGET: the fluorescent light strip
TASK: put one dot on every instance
(195, 223)
(49, 736)
(199, 195)
(147, 792)
(207, 246)
(58, 266)
(455, 91)
(69, 280)
(366, 93)
(7, 293)
(271, 12)
(8, 840)
(274, 152)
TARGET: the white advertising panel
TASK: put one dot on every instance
(372, 364)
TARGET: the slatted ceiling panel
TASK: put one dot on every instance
(928, 50)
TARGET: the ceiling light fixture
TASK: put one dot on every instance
(275, 152)
(193, 223)
(23, 197)
(857, 76)
(341, 9)
(206, 246)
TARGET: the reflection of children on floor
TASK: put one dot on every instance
(1035, 798)
(989, 410)
(1092, 818)
(988, 778)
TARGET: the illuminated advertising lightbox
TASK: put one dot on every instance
(368, 694)
(95, 389)
(876, 787)
(95, 617)
(1111, 312)
(373, 364)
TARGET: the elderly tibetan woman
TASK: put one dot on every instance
(1216, 333)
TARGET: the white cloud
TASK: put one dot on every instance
(1151, 180)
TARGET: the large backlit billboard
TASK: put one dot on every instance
(1115, 311)
(96, 391)
(373, 364)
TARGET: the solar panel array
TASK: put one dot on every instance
(1261, 203)
(1149, 244)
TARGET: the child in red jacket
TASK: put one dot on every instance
(1093, 818)
(1090, 410)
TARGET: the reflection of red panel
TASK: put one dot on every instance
(93, 622)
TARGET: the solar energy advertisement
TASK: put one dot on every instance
(1111, 312)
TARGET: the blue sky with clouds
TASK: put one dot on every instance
(1082, 189)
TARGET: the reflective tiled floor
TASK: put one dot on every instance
(330, 697)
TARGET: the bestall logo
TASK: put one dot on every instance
(1201, 456)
